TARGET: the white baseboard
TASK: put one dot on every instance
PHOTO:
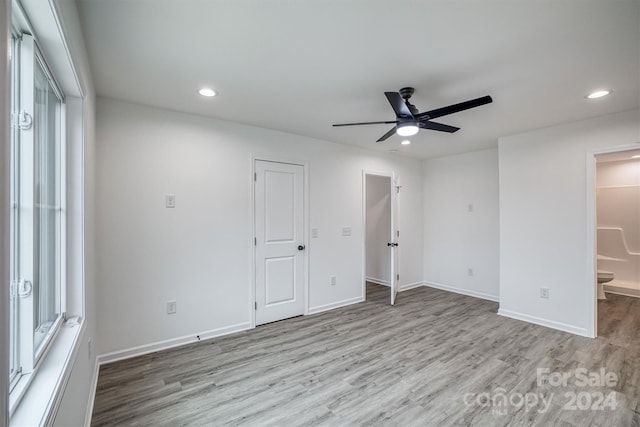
(378, 281)
(327, 307)
(171, 343)
(92, 394)
(408, 286)
(462, 291)
(544, 322)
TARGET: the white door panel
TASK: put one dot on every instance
(279, 225)
(394, 238)
(280, 280)
(279, 207)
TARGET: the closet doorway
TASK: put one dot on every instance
(381, 234)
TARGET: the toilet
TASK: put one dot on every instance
(603, 277)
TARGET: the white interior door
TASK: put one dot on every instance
(279, 227)
(395, 235)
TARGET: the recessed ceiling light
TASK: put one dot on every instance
(598, 94)
(393, 150)
(637, 156)
(407, 142)
(205, 91)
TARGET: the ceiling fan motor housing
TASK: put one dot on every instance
(406, 93)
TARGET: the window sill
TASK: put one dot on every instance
(36, 395)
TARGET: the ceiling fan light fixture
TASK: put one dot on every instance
(407, 129)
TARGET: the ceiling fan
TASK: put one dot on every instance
(409, 120)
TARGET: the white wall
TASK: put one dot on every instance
(378, 213)
(456, 239)
(618, 173)
(200, 252)
(543, 219)
(5, 203)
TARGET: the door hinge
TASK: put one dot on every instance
(397, 233)
(255, 305)
(255, 176)
(397, 277)
(255, 241)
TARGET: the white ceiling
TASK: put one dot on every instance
(299, 66)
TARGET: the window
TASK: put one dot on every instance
(13, 268)
(46, 165)
(37, 211)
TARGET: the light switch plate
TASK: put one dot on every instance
(346, 231)
(172, 307)
(314, 233)
(169, 200)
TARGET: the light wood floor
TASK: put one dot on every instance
(372, 364)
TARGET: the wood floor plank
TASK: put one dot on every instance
(415, 363)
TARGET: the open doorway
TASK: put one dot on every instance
(617, 243)
(381, 237)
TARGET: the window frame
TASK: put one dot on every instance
(14, 366)
(35, 397)
(26, 357)
(60, 210)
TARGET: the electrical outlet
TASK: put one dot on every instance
(333, 280)
(171, 307)
(544, 292)
(469, 271)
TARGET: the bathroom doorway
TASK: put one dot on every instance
(616, 237)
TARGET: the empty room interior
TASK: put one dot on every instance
(320, 213)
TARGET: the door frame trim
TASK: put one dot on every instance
(591, 233)
(252, 228)
(392, 177)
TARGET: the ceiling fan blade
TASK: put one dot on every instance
(439, 112)
(437, 126)
(387, 135)
(398, 105)
(366, 123)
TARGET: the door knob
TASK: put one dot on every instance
(301, 247)
(395, 245)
